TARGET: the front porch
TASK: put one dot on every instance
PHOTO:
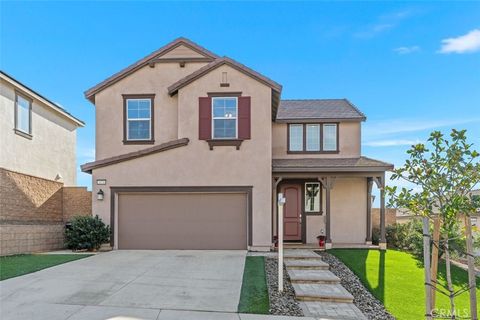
(330, 198)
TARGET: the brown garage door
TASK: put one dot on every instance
(182, 221)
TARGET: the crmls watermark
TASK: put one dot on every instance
(447, 313)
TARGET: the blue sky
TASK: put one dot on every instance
(411, 67)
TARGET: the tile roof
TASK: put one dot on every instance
(88, 167)
(329, 164)
(321, 109)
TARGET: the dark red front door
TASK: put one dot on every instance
(292, 220)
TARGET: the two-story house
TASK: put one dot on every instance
(192, 148)
(37, 136)
(38, 192)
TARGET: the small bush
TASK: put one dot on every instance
(86, 233)
(409, 237)
(375, 236)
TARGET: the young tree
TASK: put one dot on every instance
(444, 172)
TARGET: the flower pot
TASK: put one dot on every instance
(321, 241)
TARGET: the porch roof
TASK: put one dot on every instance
(359, 164)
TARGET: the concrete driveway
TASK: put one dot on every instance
(127, 285)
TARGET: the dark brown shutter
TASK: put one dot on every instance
(205, 118)
(244, 118)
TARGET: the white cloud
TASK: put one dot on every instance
(467, 43)
(384, 23)
(407, 50)
(391, 143)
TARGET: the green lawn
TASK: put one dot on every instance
(397, 279)
(14, 266)
(254, 296)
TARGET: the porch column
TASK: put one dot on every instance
(327, 183)
(368, 239)
(383, 240)
(380, 182)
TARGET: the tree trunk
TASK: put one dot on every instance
(426, 265)
(471, 269)
(434, 267)
(449, 279)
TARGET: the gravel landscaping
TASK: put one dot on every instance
(363, 299)
(280, 303)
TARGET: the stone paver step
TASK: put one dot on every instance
(300, 254)
(332, 310)
(312, 276)
(306, 264)
(321, 292)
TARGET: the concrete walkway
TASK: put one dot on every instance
(134, 284)
(319, 291)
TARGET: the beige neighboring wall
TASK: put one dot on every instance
(349, 142)
(194, 164)
(51, 150)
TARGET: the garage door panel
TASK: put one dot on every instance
(182, 221)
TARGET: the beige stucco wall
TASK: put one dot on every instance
(51, 150)
(348, 209)
(349, 142)
(109, 107)
(194, 164)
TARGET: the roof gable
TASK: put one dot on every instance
(180, 48)
(173, 89)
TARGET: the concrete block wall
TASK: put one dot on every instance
(27, 238)
(33, 212)
(390, 217)
(77, 201)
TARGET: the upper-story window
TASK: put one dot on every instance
(139, 124)
(330, 137)
(23, 114)
(313, 138)
(224, 117)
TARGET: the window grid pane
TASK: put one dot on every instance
(329, 137)
(138, 129)
(224, 118)
(296, 137)
(23, 114)
(313, 137)
(138, 119)
(312, 197)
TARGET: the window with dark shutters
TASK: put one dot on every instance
(205, 118)
(244, 118)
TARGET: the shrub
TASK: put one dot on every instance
(409, 237)
(86, 232)
(375, 236)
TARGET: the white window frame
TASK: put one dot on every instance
(318, 196)
(319, 136)
(323, 137)
(29, 112)
(290, 125)
(139, 119)
(224, 118)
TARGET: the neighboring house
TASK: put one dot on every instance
(191, 149)
(37, 170)
(37, 136)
